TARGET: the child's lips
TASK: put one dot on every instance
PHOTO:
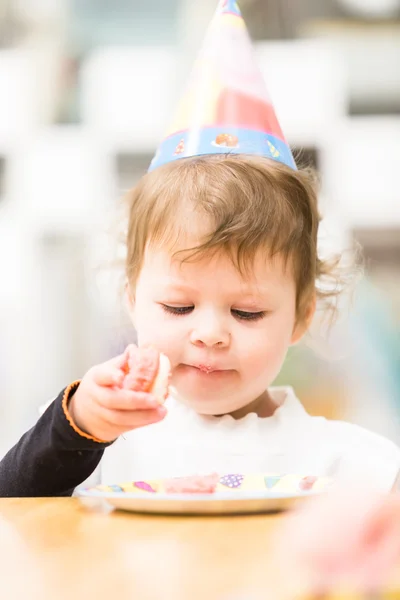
(208, 369)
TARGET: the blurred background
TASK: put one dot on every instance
(87, 88)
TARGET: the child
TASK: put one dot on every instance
(222, 276)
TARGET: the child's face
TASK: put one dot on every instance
(226, 336)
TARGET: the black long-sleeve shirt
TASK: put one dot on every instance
(51, 459)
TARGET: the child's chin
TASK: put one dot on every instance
(209, 407)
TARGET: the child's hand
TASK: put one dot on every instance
(104, 409)
(349, 539)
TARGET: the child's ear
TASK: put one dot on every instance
(301, 326)
(130, 301)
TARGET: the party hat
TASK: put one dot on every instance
(226, 107)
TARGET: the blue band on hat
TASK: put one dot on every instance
(242, 141)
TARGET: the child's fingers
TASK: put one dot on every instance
(109, 373)
(126, 420)
(123, 399)
(130, 350)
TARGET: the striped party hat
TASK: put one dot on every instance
(226, 107)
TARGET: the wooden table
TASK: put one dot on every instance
(56, 549)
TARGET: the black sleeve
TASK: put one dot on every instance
(51, 459)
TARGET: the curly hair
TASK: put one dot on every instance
(249, 204)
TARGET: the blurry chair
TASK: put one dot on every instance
(307, 83)
(127, 96)
(363, 174)
(19, 98)
(362, 184)
(371, 51)
(19, 117)
(59, 185)
(61, 179)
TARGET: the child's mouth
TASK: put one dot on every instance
(206, 372)
(206, 369)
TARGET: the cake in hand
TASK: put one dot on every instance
(147, 371)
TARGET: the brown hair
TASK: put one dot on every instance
(250, 203)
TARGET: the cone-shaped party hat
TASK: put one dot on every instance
(226, 107)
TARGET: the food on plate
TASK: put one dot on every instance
(194, 484)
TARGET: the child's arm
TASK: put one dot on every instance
(51, 459)
(65, 446)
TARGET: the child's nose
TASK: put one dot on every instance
(210, 332)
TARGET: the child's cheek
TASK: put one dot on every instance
(264, 354)
(163, 333)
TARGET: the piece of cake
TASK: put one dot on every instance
(148, 371)
(194, 484)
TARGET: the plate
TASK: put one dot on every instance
(234, 494)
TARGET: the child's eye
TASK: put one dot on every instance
(249, 316)
(177, 310)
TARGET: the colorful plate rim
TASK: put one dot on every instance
(230, 496)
